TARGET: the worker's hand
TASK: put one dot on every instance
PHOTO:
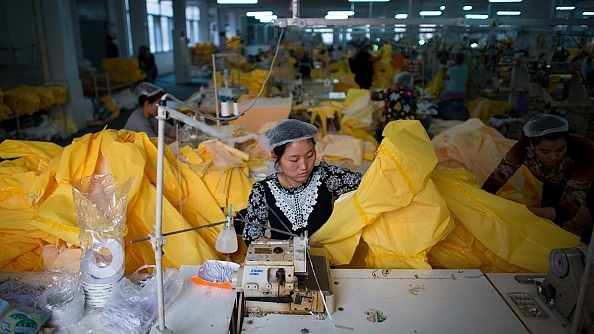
(316, 244)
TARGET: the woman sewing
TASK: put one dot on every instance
(561, 161)
(299, 197)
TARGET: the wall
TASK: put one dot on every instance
(17, 29)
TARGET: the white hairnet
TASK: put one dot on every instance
(287, 131)
(147, 88)
(405, 79)
(542, 124)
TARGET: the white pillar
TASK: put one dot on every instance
(61, 56)
(204, 23)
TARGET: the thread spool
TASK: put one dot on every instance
(235, 109)
(225, 109)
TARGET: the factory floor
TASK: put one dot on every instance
(167, 82)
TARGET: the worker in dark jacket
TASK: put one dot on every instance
(563, 162)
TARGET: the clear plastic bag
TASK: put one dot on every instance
(133, 308)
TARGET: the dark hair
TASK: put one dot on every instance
(549, 136)
(280, 150)
(150, 99)
(459, 58)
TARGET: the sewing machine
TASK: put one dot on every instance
(560, 288)
(277, 277)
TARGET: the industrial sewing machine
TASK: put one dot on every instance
(279, 277)
(561, 287)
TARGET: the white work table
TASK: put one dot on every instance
(199, 308)
(549, 322)
(403, 301)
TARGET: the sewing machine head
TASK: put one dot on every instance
(561, 287)
(274, 278)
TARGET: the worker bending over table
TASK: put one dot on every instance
(563, 162)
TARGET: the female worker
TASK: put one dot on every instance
(299, 197)
(561, 161)
(400, 101)
(143, 118)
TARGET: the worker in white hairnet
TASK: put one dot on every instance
(563, 162)
(299, 197)
(400, 101)
(143, 119)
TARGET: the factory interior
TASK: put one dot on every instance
(108, 230)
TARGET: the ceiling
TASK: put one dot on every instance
(319, 8)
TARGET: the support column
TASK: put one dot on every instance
(414, 7)
(138, 24)
(60, 53)
(204, 21)
(181, 54)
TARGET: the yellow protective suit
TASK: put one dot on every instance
(397, 210)
(492, 233)
(51, 218)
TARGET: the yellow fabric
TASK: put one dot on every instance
(357, 116)
(479, 148)
(434, 88)
(483, 108)
(394, 202)
(39, 180)
(506, 234)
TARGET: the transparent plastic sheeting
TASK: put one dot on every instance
(132, 308)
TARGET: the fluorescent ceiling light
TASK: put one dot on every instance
(505, 0)
(430, 13)
(588, 13)
(401, 16)
(565, 8)
(341, 12)
(509, 13)
(237, 2)
(442, 7)
(476, 16)
(397, 30)
(428, 25)
(400, 25)
(336, 17)
(258, 13)
(266, 19)
(467, 8)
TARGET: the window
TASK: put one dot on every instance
(193, 24)
(160, 24)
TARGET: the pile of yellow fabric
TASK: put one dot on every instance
(410, 211)
(409, 214)
(122, 70)
(37, 204)
(27, 100)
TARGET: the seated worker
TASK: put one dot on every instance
(299, 197)
(143, 119)
(451, 102)
(400, 101)
(561, 161)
